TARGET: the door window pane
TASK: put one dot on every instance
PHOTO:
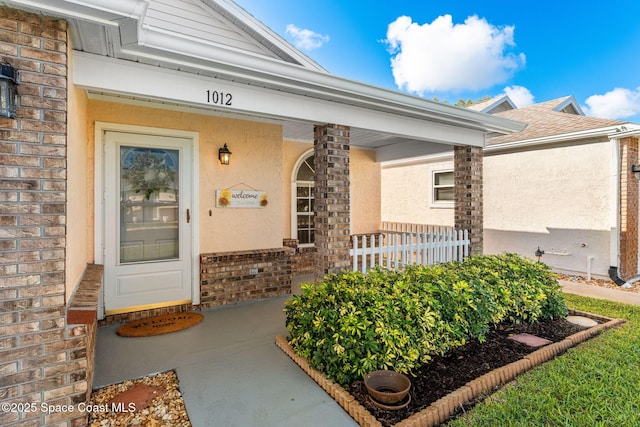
(149, 200)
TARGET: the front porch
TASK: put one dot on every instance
(230, 371)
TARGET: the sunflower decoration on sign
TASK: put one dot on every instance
(224, 198)
(148, 173)
(263, 200)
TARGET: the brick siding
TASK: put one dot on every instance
(113, 319)
(468, 210)
(332, 200)
(42, 358)
(302, 259)
(629, 155)
(228, 278)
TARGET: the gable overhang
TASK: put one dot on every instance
(571, 104)
(246, 21)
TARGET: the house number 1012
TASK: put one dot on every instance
(219, 98)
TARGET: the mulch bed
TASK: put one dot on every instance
(443, 375)
(603, 283)
(152, 401)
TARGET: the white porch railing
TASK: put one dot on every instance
(406, 244)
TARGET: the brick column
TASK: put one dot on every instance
(43, 359)
(629, 187)
(468, 194)
(332, 201)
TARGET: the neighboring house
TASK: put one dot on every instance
(564, 184)
(116, 199)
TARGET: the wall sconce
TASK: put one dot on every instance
(636, 171)
(8, 91)
(224, 155)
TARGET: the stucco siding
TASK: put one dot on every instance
(365, 192)
(256, 163)
(563, 248)
(407, 195)
(79, 195)
(556, 198)
(552, 188)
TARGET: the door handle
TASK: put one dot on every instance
(188, 216)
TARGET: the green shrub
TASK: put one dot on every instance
(352, 324)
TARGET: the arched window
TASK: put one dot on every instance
(303, 201)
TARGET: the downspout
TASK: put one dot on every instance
(615, 220)
(614, 236)
(613, 274)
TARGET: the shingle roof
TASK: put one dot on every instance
(491, 106)
(543, 121)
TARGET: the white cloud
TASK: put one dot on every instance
(520, 95)
(306, 39)
(618, 103)
(442, 56)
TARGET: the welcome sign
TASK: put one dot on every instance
(241, 199)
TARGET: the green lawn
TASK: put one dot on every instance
(594, 384)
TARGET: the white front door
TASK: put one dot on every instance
(147, 221)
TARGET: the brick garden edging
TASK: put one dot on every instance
(440, 410)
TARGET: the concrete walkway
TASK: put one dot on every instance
(599, 292)
(232, 374)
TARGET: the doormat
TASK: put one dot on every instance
(158, 325)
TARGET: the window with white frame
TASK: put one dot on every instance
(443, 185)
(304, 202)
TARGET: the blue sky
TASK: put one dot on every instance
(451, 49)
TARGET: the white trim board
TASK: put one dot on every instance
(132, 79)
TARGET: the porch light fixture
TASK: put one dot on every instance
(636, 171)
(7, 91)
(224, 155)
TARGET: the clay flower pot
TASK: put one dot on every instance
(387, 387)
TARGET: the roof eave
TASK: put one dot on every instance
(603, 132)
(235, 65)
(625, 131)
(103, 12)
